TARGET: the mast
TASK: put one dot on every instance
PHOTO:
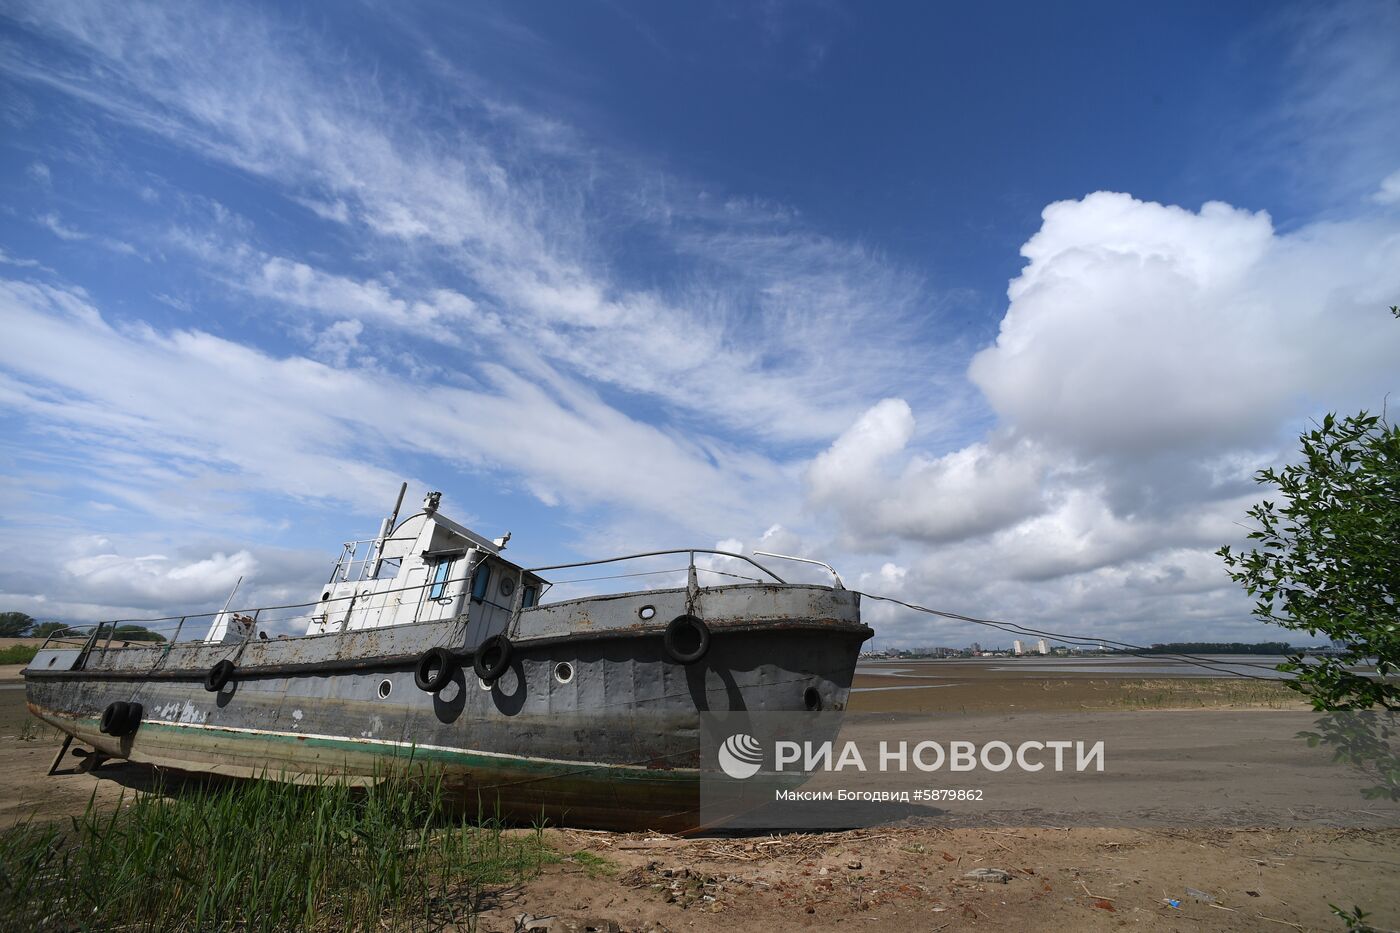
(385, 530)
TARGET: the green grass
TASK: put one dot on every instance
(262, 855)
(18, 654)
(595, 865)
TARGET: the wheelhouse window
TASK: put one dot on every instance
(529, 596)
(481, 579)
(442, 571)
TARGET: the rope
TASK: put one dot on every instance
(1135, 650)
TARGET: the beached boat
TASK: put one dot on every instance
(426, 644)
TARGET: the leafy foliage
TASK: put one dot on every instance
(1355, 919)
(1328, 559)
(18, 654)
(1215, 647)
(15, 624)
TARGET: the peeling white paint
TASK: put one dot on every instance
(185, 712)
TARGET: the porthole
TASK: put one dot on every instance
(385, 688)
(646, 613)
(325, 596)
(52, 659)
(563, 672)
(812, 699)
(507, 586)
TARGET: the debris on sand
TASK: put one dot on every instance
(995, 875)
(683, 887)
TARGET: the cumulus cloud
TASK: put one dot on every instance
(881, 491)
(1150, 359)
(852, 461)
(1139, 327)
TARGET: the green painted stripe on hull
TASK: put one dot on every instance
(474, 760)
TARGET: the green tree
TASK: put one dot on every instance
(1328, 559)
(43, 629)
(15, 624)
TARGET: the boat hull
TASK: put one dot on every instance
(594, 727)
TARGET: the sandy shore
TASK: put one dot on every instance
(907, 879)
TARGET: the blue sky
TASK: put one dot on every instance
(995, 307)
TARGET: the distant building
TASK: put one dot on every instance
(1017, 648)
(1041, 647)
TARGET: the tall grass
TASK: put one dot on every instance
(18, 654)
(261, 855)
(1205, 693)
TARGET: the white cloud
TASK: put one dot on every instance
(156, 578)
(300, 285)
(1138, 327)
(851, 463)
(1150, 357)
(1150, 360)
(60, 573)
(1389, 191)
(880, 491)
(296, 427)
(8, 260)
(748, 346)
(57, 227)
(336, 343)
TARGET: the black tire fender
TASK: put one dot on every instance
(687, 639)
(132, 722)
(219, 675)
(492, 658)
(113, 718)
(435, 669)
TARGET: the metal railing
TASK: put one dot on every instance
(370, 564)
(171, 628)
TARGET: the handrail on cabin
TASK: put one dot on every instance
(692, 551)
